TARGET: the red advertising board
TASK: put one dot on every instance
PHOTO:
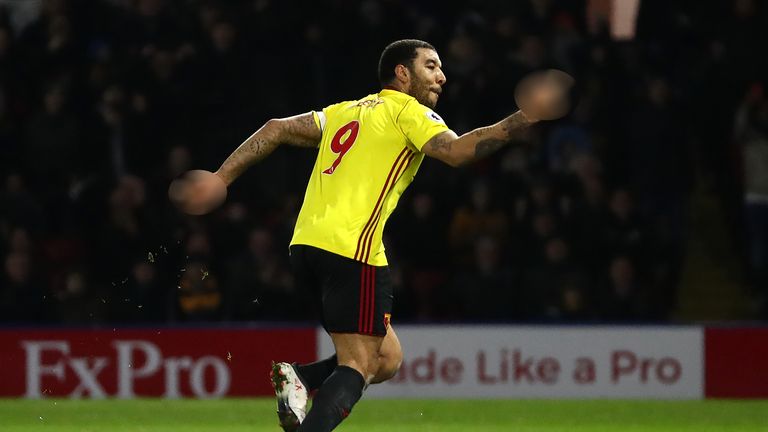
(736, 362)
(202, 363)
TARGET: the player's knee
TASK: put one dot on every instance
(366, 365)
(388, 366)
(390, 372)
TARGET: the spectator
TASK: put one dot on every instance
(129, 225)
(752, 134)
(482, 217)
(52, 137)
(76, 303)
(19, 206)
(554, 289)
(424, 273)
(623, 231)
(485, 291)
(23, 293)
(198, 296)
(141, 296)
(259, 284)
(622, 297)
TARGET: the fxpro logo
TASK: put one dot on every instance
(87, 370)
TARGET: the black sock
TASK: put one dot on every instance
(314, 374)
(334, 401)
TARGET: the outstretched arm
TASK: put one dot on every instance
(477, 144)
(299, 130)
(542, 95)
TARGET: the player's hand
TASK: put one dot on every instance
(197, 192)
(544, 95)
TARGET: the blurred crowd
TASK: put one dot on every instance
(104, 102)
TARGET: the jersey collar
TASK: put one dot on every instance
(390, 91)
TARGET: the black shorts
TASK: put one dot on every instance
(355, 297)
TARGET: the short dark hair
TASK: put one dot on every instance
(399, 52)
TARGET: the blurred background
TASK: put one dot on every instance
(648, 204)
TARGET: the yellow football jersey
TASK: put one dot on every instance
(369, 153)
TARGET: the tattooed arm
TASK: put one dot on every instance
(477, 144)
(299, 130)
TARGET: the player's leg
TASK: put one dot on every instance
(357, 305)
(358, 357)
(292, 383)
(390, 357)
(359, 352)
(314, 374)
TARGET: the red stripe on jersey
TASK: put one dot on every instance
(369, 240)
(367, 302)
(363, 280)
(358, 251)
(373, 300)
(367, 298)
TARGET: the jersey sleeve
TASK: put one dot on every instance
(419, 123)
(320, 118)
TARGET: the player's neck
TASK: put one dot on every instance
(393, 87)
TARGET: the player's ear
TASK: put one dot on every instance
(402, 73)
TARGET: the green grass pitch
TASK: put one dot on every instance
(256, 415)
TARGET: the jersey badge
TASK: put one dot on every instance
(434, 117)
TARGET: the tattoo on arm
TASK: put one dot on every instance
(302, 131)
(509, 127)
(255, 148)
(299, 130)
(442, 144)
(514, 123)
(488, 146)
(476, 144)
(307, 121)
